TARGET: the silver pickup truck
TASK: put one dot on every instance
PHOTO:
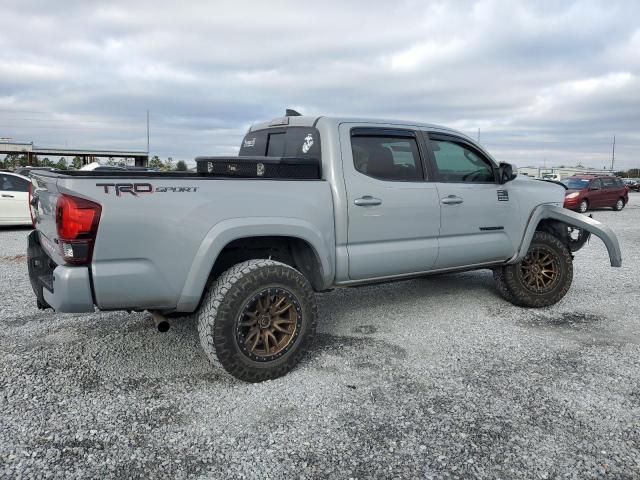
(309, 204)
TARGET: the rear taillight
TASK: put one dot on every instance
(77, 223)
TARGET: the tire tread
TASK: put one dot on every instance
(214, 313)
(510, 288)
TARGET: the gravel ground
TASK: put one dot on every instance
(432, 378)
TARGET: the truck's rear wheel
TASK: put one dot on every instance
(542, 278)
(258, 320)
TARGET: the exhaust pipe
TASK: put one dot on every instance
(161, 322)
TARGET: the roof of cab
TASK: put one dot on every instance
(310, 121)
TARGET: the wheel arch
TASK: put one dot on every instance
(292, 241)
(551, 218)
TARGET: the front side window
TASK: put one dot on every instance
(456, 162)
(596, 184)
(387, 158)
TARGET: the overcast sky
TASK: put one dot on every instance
(545, 81)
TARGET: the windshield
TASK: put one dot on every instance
(577, 183)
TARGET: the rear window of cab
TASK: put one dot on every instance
(300, 142)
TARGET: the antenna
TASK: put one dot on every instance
(478, 134)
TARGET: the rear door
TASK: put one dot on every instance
(14, 199)
(393, 209)
(478, 216)
(610, 191)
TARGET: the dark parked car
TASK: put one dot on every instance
(595, 191)
(632, 183)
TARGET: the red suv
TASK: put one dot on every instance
(595, 191)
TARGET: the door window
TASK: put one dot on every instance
(11, 183)
(596, 185)
(455, 162)
(608, 183)
(387, 158)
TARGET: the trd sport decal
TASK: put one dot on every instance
(138, 188)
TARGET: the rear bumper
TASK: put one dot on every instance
(65, 289)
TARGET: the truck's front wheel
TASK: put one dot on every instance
(258, 320)
(542, 278)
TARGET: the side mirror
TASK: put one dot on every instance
(506, 173)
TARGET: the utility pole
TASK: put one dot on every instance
(147, 132)
(613, 153)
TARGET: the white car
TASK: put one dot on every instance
(14, 199)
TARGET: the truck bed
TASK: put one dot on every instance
(262, 168)
(160, 232)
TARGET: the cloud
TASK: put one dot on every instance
(541, 79)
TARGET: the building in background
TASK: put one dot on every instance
(560, 173)
(129, 157)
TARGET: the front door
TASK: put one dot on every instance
(394, 212)
(478, 217)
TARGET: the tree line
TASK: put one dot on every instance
(16, 160)
(631, 173)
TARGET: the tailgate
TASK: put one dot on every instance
(43, 208)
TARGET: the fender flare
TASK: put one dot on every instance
(233, 229)
(572, 219)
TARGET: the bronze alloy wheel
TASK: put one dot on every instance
(540, 270)
(269, 324)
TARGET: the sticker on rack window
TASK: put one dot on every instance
(248, 143)
(308, 143)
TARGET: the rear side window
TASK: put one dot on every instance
(387, 158)
(301, 142)
(457, 162)
(11, 183)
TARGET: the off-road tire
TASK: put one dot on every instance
(619, 205)
(222, 307)
(501, 285)
(513, 288)
(581, 208)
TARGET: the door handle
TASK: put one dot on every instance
(4, 195)
(367, 201)
(451, 200)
